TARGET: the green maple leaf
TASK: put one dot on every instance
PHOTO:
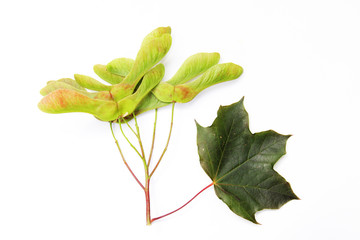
(240, 163)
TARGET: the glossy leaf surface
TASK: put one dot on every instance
(240, 163)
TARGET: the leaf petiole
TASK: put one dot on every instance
(157, 218)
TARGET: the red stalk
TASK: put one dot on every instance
(147, 197)
(157, 218)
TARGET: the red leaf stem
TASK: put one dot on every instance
(157, 218)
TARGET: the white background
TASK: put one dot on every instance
(61, 176)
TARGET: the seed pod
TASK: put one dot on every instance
(91, 83)
(219, 73)
(164, 92)
(194, 66)
(66, 100)
(150, 102)
(151, 52)
(56, 85)
(128, 104)
(183, 93)
(135, 83)
(158, 32)
(120, 66)
(107, 76)
(103, 95)
(71, 82)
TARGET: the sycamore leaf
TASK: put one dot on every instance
(240, 163)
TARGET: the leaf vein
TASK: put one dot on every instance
(240, 200)
(252, 197)
(241, 164)
(259, 188)
(223, 150)
(210, 159)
